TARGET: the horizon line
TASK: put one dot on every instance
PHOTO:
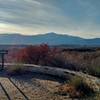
(62, 34)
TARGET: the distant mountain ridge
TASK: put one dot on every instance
(49, 38)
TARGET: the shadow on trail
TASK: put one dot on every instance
(19, 89)
(28, 75)
(4, 74)
(5, 91)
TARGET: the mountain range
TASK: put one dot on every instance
(49, 38)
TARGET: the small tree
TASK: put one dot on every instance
(33, 54)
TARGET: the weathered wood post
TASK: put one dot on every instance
(2, 53)
(2, 58)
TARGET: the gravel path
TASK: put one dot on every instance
(35, 86)
(29, 87)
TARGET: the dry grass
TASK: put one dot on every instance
(16, 70)
(88, 62)
(75, 88)
(85, 60)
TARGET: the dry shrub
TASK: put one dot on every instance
(33, 54)
(88, 62)
(75, 88)
(81, 86)
(85, 61)
(40, 54)
(16, 70)
(69, 90)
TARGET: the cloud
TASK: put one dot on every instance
(78, 17)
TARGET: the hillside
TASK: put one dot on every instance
(49, 38)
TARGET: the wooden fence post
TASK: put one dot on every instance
(3, 52)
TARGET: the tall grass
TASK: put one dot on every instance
(85, 61)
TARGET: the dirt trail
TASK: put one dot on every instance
(2, 94)
(38, 86)
(29, 87)
(11, 92)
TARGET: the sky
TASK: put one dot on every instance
(31, 17)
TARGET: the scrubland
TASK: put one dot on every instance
(85, 60)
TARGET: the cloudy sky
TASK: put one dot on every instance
(29, 17)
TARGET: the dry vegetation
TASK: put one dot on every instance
(76, 88)
(88, 62)
(85, 60)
